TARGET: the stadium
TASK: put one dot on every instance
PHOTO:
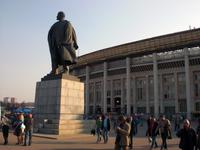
(150, 76)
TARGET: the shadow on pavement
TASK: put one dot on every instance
(62, 142)
(78, 149)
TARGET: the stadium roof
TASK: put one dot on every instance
(168, 42)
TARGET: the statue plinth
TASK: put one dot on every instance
(59, 105)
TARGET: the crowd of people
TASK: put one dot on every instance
(125, 128)
(22, 126)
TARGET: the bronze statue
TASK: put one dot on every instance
(62, 44)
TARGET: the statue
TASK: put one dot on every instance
(62, 44)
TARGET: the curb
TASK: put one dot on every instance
(45, 136)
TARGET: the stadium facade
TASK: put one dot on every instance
(155, 75)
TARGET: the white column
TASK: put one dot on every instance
(95, 98)
(105, 87)
(147, 94)
(122, 94)
(134, 95)
(161, 95)
(187, 79)
(155, 77)
(128, 84)
(176, 92)
(111, 94)
(87, 90)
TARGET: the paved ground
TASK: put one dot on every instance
(82, 142)
(78, 142)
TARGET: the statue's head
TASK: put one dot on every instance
(60, 16)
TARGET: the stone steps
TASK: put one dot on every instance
(68, 127)
(63, 131)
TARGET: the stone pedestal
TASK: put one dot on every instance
(59, 105)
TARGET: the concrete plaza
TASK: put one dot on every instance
(78, 142)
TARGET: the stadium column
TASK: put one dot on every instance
(176, 92)
(87, 90)
(128, 85)
(161, 94)
(155, 79)
(111, 95)
(147, 94)
(122, 95)
(134, 94)
(187, 79)
(105, 87)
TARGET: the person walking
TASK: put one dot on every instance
(105, 127)
(177, 122)
(123, 131)
(131, 122)
(155, 132)
(5, 128)
(135, 122)
(164, 126)
(187, 136)
(198, 135)
(150, 123)
(19, 128)
(98, 128)
(28, 122)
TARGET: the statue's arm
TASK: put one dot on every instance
(71, 35)
(74, 38)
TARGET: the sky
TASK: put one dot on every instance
(99, 24)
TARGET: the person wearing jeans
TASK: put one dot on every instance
(98, 128)
(164, 125)
(155, 132)
(105, 127)
(28, 122)
(28, 137)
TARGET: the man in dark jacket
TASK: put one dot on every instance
(155, 132)
(198, 135)
(188, 136)
(62, 44)
(5, 129)
(105, 127)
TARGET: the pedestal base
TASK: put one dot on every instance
(59, 105)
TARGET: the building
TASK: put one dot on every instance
(12, 100)
(6, 100)
(155, 75)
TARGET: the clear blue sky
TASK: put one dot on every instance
(24, 25)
